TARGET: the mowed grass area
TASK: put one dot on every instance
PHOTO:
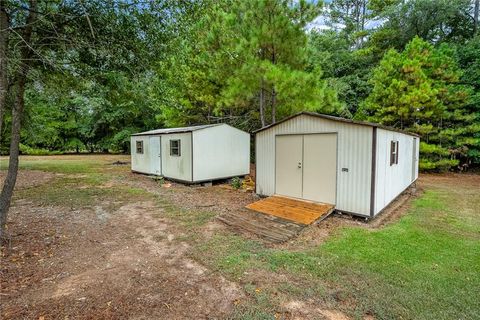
(424, 266)
(66, 164)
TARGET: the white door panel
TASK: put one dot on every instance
(155, 163)
(320, 167)
(306, 166)
(288, 169)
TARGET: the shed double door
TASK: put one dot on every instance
(306, 166)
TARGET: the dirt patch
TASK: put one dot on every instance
(92, 263)
(450, 179)
(300, 310)
(219, 198)
(29, 178)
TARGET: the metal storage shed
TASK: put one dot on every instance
(192, 154)
(359, 167)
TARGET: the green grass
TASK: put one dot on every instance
(425, 266)
(57, 166)
(189, 219)
(79, 184)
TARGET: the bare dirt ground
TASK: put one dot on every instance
(94, 263)
(31, 178)
(119, 259)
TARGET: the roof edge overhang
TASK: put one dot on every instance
(338, 119)
(187, 129)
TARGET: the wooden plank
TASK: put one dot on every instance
(268, 205)
(263, 206)
(288, 213)
(270, 228)
(294, 206)
(261, 224)
(299, 211)
(253, 229)
(300, 203)
(279, 229)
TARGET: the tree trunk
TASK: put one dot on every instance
(274, 107)
(362, 25)
(17, 114)
(3, 62)
(475, 16)
(274, 93)
(11, 178)
(262, 103)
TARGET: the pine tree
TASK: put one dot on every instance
(271, 46)
(418, 90)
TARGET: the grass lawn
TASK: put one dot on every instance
(424, 266)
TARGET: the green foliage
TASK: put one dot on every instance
(166, 63)
(419, 90)
(435, 21)
(238, 52)
(469, 60)
(24, 149)
(236, 182)
(346, 71)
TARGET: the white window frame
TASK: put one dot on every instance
(393, 152)
(178, 152)
(139, 146)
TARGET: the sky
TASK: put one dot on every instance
(320, 23)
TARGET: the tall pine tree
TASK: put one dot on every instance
(418, 90)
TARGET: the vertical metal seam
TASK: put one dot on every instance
(275, 164)
(191, 149)
(303, 160)
(373, 169)
(161, 150)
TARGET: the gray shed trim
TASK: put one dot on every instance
(374, 170)
(333, 118)
(176, 130)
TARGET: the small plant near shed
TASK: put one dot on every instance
(158, 179)
(236, 183)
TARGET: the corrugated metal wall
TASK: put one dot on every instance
(177, 167)
(140, 161)
(220, 152)
(391, 180)
(354, 154)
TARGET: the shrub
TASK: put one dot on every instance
(236, 183)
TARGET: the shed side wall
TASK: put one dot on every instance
(354, 154)
(220, 152)
(177, 167)
(140, 161)
(391, 180)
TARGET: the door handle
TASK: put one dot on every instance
(299, 165)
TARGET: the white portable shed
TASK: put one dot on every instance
(359, 167)
(192, 154)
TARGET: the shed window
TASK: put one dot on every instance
(175, 148)
(393, 152)
(139, 146)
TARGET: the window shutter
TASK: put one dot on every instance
(392, 152)
(396, 153)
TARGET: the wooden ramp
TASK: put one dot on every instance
(269, 228)
(298, 211)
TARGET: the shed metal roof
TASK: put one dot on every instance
(333, 118)
(176, 130)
